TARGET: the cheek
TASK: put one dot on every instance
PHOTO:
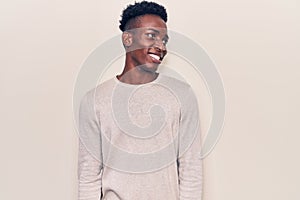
(147, 43)
(143, 43)
(139, 47)
(140, 53)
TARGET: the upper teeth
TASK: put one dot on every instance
(155, 56)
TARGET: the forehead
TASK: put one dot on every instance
(151, 21)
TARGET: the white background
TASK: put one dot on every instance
(255, 45)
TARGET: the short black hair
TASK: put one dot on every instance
(139, 9)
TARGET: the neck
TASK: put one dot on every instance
(134, 73)
(136, 76)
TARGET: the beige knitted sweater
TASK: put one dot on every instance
(140, 142)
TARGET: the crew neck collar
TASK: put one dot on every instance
(137, 85)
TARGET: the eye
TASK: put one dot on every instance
(151, 35)
(165, 41)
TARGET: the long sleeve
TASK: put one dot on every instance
(89, 175)
(89, 154)
(190, 162)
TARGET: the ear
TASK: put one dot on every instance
(127, 39)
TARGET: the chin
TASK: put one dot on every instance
(150, 68)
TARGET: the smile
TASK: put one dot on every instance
(155, 57)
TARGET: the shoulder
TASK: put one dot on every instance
(99, 92)
(102, 88)
(176, 85)
(182, 91)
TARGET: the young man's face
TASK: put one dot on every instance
(149, 40)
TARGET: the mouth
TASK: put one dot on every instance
(156, 57)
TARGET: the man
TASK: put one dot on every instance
(139, 131)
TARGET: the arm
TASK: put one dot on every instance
(89, 159)
(89, 175)
(189, 161)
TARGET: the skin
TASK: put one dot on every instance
(149, 36)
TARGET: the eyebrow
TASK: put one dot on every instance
(157, 31)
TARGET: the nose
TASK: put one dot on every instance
(160, 46)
